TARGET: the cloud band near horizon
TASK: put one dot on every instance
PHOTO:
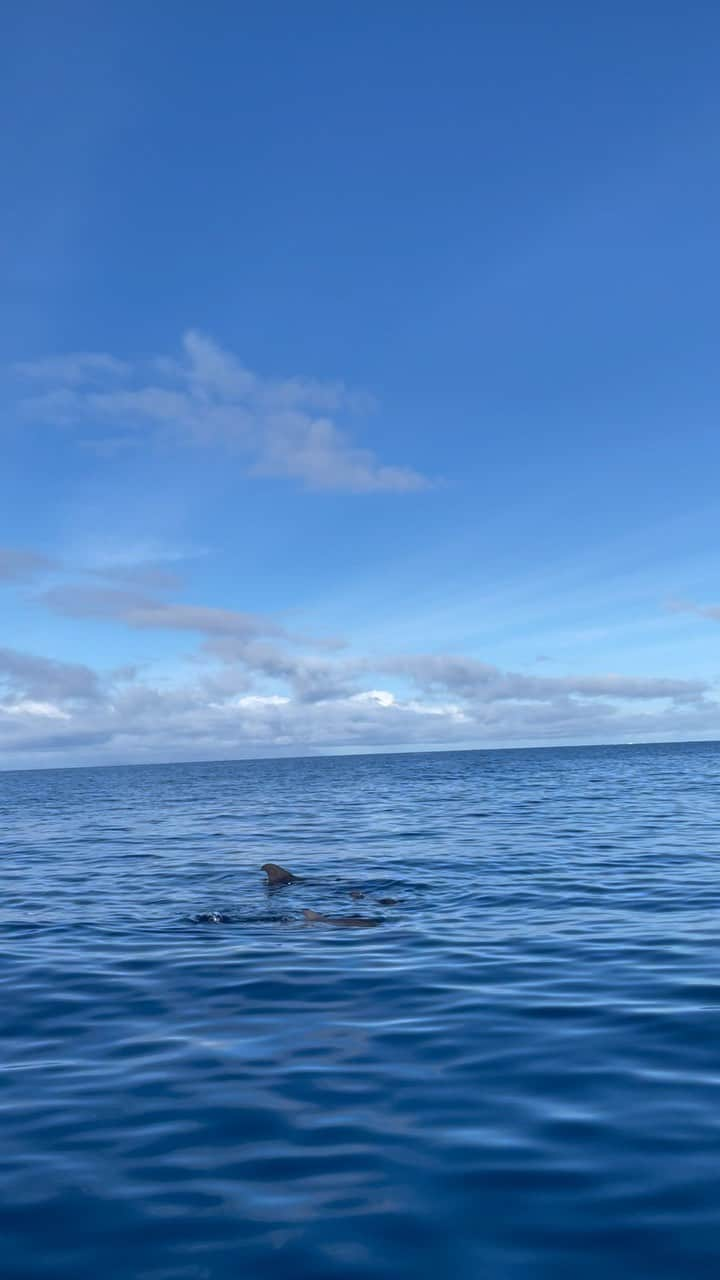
(255, 687)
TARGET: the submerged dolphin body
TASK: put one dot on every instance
(382, 902)
(278, 875)
(340, 922)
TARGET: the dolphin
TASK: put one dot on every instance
(278, 875)
(341, 922)
(382, 902)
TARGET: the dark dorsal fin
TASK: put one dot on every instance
(276, 874)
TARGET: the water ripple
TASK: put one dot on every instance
(516, 1075)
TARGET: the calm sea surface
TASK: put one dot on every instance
(517, 1074)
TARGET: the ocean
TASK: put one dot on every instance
(514, 1076)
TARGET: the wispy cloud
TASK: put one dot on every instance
(148, 577)
(259, 644)
(711, 611)
(141, 565)
(147, 612)
(139, 568)
(18, 565)
(472, 680)
(284, 426)
(79, 369)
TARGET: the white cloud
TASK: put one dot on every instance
(254, 688)
(38, 679)
(376, 697)
(238, 710)
(27, 707)
(256, 700)
(143, 723)
(285, 427)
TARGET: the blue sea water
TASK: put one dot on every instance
(515, 1075)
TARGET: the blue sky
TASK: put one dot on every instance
(359, 377)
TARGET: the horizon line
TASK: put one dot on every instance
(351, 754)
